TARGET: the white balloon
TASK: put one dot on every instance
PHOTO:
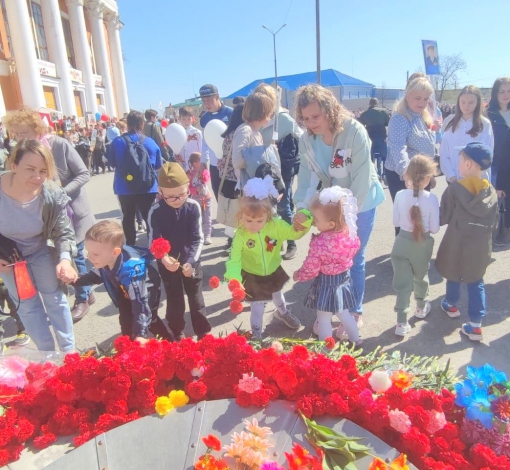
(176, 137)
(213, 138)
(101, 109)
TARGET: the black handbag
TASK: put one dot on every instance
(9, 250)
(229, 190)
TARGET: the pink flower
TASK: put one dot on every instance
(437, 421)
(249, 383)
(501, 444)
(399, 421)
(472, 431)
(277, 346)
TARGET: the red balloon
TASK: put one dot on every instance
(164, 123)
(104, 118)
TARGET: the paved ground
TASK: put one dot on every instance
(436, 335)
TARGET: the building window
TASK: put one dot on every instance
(69, 42)
(77, 101)
(40, 35)
(7, 29)
(49, 95)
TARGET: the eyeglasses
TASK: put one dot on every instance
(180, 197)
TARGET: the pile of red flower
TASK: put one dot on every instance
(88, 396)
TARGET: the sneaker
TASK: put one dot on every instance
(499, 242)
(288, 318)
(207, 241)
(340, 332)
(228, 247)
(22, 339)
(140, 227)
(423, 312)
(178, 335)
(451, 310)
(474, 333)
(290, 253)
(403, 329)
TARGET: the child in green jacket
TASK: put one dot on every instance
(255, 258)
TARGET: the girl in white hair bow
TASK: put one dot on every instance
(255, 258)
(329, 260)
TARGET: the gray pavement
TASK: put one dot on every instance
(435, 335)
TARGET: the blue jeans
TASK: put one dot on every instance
(379, 152)
(285, 206)
(81, 293)
(476, 298)
(365, 225)
(50, 304)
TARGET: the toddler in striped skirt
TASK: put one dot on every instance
(329, 260)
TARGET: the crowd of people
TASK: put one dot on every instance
(341, 163)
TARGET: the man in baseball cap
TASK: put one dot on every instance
(214, 109)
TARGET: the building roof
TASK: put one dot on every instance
(329, 78)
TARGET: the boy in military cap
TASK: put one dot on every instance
(177, 218)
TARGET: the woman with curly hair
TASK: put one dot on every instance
(335, 151)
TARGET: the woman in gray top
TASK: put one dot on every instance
(33, 213)
(72, 176)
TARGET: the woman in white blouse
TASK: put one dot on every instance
(467, 125)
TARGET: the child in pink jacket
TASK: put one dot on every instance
(329, 260)
(199, 191)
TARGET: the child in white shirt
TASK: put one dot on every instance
(416, 212)
(194, 141)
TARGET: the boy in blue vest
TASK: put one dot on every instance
(133, 284)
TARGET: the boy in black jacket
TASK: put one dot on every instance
(131, 281)
(178, 219)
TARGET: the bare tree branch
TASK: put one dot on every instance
(450, 66)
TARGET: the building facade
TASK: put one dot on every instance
(62, 55)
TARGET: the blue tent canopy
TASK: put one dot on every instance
(329, 78)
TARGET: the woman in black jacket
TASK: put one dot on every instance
(498, 112)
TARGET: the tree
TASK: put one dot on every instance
(383, 93)
(450, 66)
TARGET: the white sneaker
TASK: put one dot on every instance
(207, 241)
(423, 312)
(403, 329)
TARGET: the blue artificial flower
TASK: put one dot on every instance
(485, 376)
(479, 408)
(465, 391)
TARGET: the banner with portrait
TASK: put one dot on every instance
(431, 57)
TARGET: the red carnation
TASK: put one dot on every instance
(212, 442)
(160, 247)
(239, 294)
(236, 307)
(197, 390)
(329, 342)
(214, 282)
(234, 284)
(41, 442)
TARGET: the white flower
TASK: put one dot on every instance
(379, 381)
(277, 346)
(197, 372)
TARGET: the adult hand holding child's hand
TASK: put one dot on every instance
(299, 219)
(170, 263)
(65, 272)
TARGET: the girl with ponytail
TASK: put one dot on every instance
(416, 214)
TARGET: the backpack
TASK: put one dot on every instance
(288, 149)
(261, 161)
(135, 167)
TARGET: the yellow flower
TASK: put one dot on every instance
(178, 398)
(163, 406)
(402, 379)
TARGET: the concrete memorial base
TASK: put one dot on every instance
(174, 441)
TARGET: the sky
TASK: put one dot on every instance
(172, 47)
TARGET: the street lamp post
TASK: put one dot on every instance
(318, 39)
(275, 131)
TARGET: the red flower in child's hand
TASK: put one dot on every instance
(160, 247)
(236, 307)
(212, 442)
(214, 282)
(234, 284)
(329, 342)
(239, 294)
